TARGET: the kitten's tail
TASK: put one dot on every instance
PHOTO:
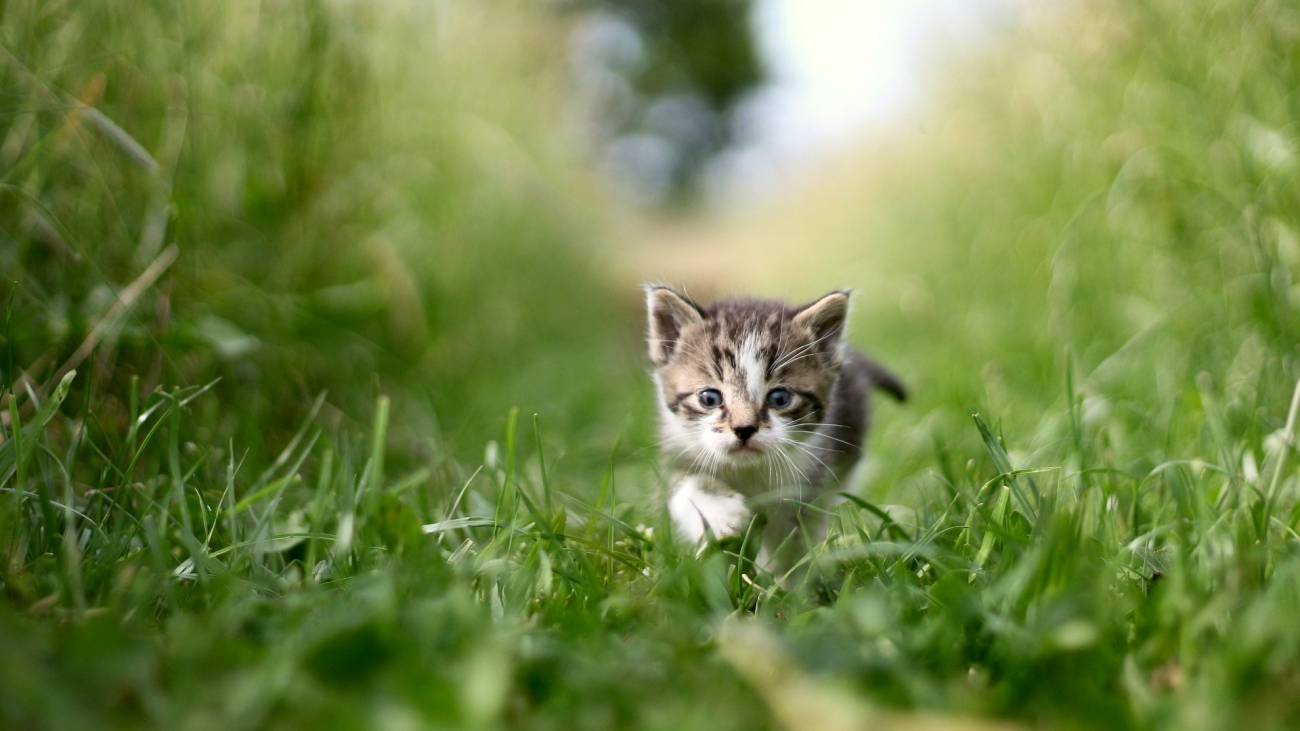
(886, 381)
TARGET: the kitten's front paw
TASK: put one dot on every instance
(698, 514)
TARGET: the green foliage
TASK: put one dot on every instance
(1095, 251)
(351, 215)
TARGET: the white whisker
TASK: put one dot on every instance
(824, 435)
(809, 452)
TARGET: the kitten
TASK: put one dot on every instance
(762, 406)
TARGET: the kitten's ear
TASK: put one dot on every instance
(825, 318)
(669, 313)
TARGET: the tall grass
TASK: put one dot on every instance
(362, 199)
(275, 275)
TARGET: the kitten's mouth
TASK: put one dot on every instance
(742, 450)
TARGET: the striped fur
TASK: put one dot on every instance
(740, 448)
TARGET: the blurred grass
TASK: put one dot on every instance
(1109, 194)
(357, 209)
(1092, 244)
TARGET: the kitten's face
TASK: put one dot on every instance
(742, 381)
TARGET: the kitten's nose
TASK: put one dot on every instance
(743, 433)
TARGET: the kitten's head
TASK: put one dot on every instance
(740, 380)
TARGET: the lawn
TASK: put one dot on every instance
(324, 400)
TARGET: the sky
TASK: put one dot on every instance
(842, 71)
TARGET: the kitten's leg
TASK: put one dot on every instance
(786, 538)
(782, 545)
(702, 508)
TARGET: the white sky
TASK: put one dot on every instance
(842, 68)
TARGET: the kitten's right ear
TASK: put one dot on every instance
(669, 314)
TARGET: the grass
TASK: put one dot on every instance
(274, 279)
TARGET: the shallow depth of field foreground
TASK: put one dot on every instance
(325, 401)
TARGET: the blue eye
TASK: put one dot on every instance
(710, 398)
(779, 398)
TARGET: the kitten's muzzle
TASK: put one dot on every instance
(743, 433)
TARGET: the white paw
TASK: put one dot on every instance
(699, 514)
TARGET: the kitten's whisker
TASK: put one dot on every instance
(809, 452)
(817, 446)
(661, 442)
(803, 476)
(819, 428)
(814, 429)
(800, 422)
(824, 435)
(794, 467)
(697, 461)
(779, 467)
(781, 472)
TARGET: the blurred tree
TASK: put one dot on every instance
(661, 80)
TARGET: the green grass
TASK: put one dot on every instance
(283, 485)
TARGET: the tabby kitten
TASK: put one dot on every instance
(762, 407)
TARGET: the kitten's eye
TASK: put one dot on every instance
(779, 398)
(710, 398)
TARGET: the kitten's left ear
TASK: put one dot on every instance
(669, 314)
(825, 318)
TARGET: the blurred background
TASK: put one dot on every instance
(455, 202)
